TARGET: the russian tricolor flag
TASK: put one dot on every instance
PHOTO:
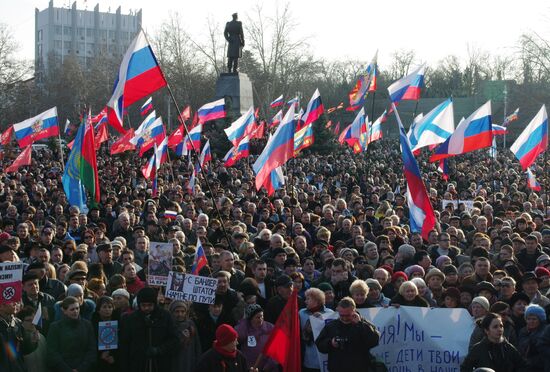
(422, 216)
(375, 129)
(276, 119)
(532, 182)
(146, 107)
(206, 155)
(193, 140)
(471, 134)
(293, 102)
(170, 214)
(279, 148)
(533, 140)
(139, 75)
(212, 111)
(408, 88)
(240, 127)
(200, 260)
(499, 129)
(39, 127)
(278, 102)
(352, 133)
(161, 152)
(314, 109)
(242, 150)
(275, 181)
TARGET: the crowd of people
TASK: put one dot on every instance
(337, 233)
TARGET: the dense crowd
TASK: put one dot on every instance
(337, 233)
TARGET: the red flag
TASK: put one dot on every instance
(256, 113)
(337, 129)
(97, 118)
(101, 135)
(283, 344)
(176, 137)
(195, 121)
(123, 143)
(185, 114)
(23, 159)
(5, 138)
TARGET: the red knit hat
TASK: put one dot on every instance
(225, 334)
(399, 274)
(542, 271)
(388, 268)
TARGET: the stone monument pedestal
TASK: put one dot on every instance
(236, 88)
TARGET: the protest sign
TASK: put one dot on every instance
(414, 338)
(160, 263)
(11, 287)
(107, 335)
(187, 287)
(468, 204)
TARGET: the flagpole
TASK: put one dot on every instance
(227, 236)
(61, 150)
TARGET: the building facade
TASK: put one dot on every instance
(86, 34)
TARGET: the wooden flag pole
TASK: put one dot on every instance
(62, 155)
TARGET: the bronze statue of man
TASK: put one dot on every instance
(234, 35)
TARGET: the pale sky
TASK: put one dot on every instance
(338, 29)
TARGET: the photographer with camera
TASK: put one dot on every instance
(348, 340)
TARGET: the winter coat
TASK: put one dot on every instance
(147, 339)
(212, 361)
(188, 352)
(12, 332)
(252, 341)
(501, 357)
(353, 353)
(71, 345)
(234, 36)
(529, 346)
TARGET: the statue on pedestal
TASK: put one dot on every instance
(234, 35)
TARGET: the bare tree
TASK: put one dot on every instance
(535, 52)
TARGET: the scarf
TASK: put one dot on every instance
(223, 352)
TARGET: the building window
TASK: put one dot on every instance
(39, 35)
(57, 44)
(80, 31)
(58, 30)
(89, 32)
(67, 30)
(112, 34)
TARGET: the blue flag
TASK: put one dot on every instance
(74, 189)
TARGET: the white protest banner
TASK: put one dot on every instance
(160, 263)
(11, 287)
(415, 338)
(468, 204)
(107, 335)
(187, 287)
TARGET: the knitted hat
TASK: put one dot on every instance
(542, 258)
(388, 268)
(435, 272)
(482, 301)
(537, 311)
(450, 269)
(373, 284)
(252, 310)
(414, 269)
(75, 290)
(541, 272)
(121, 292)
(487, 286)
(147, 295)
(453, 293)
(407, 250)
(440, 260)
(225, 334)
(399, 274)
(325, 287)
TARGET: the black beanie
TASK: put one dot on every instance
(147, 295)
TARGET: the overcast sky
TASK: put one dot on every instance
(339, 29)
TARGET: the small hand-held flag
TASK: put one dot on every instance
(200, 260)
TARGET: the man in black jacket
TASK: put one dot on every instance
(147, 336)
(348, 340)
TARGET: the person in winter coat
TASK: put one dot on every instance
(13, 333)
(529, 340)
(348, 340)
(253, 333)
(71, 341)
(147, 336)
(494, 351)
(408, 296)
(223, 356)
(107, 360)
(315, 305)
(189, 351)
